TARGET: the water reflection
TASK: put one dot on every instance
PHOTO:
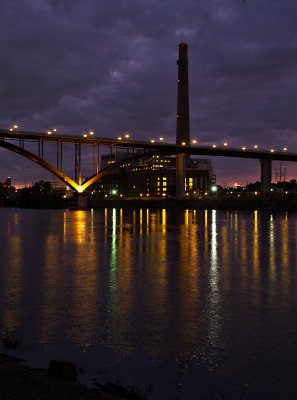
(12, 283)
(180, 288)
(213, 298)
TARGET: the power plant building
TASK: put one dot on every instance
(155, 177)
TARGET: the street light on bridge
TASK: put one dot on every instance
(49, 132)
(13, 128)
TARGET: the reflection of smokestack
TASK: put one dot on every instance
(182, 117)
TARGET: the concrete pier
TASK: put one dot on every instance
(265, 175)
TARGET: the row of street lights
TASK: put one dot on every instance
(126, 136)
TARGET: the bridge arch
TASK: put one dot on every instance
(65, 178)
(46, 165)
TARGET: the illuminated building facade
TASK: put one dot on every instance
(155, 177)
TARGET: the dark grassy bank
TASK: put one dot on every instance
(235, 203)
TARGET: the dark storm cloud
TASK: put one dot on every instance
(110, 66)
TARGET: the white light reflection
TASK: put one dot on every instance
(271, 248)
(285, 245)
(113, 265)
(214, 295)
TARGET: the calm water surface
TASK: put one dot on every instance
(191, 304)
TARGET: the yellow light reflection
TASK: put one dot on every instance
(13, 289)
(256, 244)
(164, 221)
(50, 288)
(79, 226)
(140, 222)
(83, 279)
(64, 226)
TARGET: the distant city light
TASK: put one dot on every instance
(243, 148)
(183, 143)
(85, 135)
(214, 145)
(49, 132)
(214, 188)
(161, 138)
(91, 133)
(225, 144)
(119, 138)
(272, 150)
(152, 141)
(194, 141)
(285, 149)
(255, 146)
(127, 135)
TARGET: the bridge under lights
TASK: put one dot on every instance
(32, 145)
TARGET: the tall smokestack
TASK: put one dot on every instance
(182, 115)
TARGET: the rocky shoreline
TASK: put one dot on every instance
(21, 382)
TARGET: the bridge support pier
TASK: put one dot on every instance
(265, 175)
(180, 176)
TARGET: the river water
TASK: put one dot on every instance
(179, 304)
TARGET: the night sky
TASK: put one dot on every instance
(110, 66)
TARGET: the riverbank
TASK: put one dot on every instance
(238, 202)
(21, 382)
(232, 203)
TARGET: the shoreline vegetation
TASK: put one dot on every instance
(282, 197)
(19, 381)
(245, 203)
(232, 204)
